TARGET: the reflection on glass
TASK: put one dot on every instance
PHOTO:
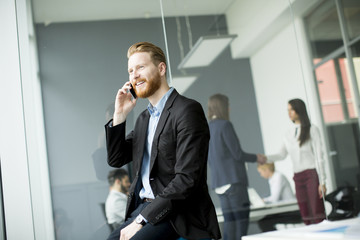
(323, 29)
(83, 63)
(352, 17)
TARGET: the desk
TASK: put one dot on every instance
(348, 229)
(259, 212)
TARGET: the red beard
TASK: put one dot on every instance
(152, 85)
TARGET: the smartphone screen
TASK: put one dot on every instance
(132, 91)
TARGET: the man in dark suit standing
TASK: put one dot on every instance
(168, 148)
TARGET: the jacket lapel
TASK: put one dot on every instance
(163, 118)
(140, 140)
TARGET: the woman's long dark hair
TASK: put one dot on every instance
(299, 107)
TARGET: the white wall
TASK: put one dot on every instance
(251, 20)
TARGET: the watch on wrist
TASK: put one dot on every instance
(140, 220)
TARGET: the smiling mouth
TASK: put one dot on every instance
(139, 83)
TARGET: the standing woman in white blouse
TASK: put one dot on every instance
(304, 145)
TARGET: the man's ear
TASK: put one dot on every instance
(162, 68)
(117, 181)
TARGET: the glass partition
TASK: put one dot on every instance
(336, 68)
(259, 71)
(273, 52)
(82, 58)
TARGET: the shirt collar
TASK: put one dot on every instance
(158, 108)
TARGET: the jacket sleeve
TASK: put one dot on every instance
(233, 144)
(280, 155)
(119, 148)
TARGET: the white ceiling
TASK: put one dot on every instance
(50, 11)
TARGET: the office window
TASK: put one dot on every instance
(329, 93)
(335, 90)
(336, 77)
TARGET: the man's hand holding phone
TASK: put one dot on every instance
(124, 103)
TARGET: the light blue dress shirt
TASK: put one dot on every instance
(155, 113)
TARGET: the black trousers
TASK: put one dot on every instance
(160, 231)
(235, 207)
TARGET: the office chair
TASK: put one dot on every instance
(344, 203)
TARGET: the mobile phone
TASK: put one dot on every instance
(132, 91)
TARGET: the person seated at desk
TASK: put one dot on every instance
(115, 205)
(280, 191)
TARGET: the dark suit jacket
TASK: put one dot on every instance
(226, 157)
(178, 168)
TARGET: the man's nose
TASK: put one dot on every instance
(136, 74)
